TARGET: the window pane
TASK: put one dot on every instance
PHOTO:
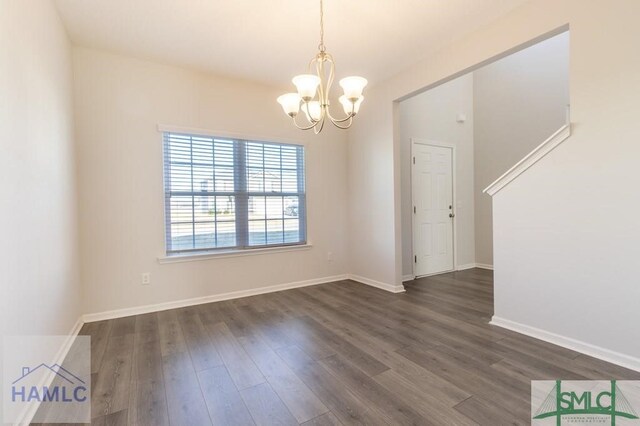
(202, 150)
(254, 156)
(272, 156)
(223, 153)
(205, 235)
(255, 180)
(291, 231)
(289, 157)
(181, 236)
(180, 148)
(225, 208)
(224, 179)
(289, 181)
(181, 209)
(275, 232)
(203, 178)
(257, 234)
(272, 181)
(226, 234)
(204, 209)
(180, 177)
(291, 207)
(257, 208)
(274, 208)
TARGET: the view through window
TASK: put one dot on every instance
(223, 193)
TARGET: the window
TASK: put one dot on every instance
(232, 194)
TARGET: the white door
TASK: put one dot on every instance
(432, 183)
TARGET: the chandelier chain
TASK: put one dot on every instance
(321, 46)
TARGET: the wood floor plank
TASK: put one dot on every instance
(342, 401)
(328, 419)
(99, 333)
(299, 399)
(111, 388)
(241, 367)
(224, 402)
(203, 352)
(122, 326)
(265, 406)
(148, 404)
(360, 358)
(486, 413)
(428, 404)
(185, 401)
(467, 378)
(119, 418)
(394, 409)
(171, 338)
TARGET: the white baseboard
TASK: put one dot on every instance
(484, 266)
(30, 411)
(373, 283)
(406, 278)
(464, 267)
(617, 358)
(145, 309)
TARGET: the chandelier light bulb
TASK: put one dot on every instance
(290, 103)
(349, 106)
(353, 87)
(313, 110)
(307, 85)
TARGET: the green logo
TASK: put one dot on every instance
(581, 403)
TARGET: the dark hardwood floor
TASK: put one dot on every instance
(339, 353)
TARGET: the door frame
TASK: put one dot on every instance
(421, 141)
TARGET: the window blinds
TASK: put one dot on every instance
(232, 194)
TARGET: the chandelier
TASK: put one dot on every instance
(313, 92)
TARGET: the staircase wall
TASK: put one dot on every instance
(518, 102)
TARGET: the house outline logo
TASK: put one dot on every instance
(611, 403)
(55, 369)
(72, 389)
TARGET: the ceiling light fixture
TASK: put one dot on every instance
(313, 92)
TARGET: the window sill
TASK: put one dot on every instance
(194, 257)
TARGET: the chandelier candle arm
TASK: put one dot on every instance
(313, 92)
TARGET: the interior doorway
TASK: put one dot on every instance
(492, 117)
(432, 175)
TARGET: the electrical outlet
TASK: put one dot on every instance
(329, 256)
(146, 278)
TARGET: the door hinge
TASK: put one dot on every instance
(414, 209)
(415, 259)
(414, 160)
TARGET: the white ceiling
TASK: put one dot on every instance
(272, 40)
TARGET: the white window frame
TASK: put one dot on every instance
(242, 234)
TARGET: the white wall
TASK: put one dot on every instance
(432, 116)
(519, 101)
(119, 102)
(41, 291)
(566, 231)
